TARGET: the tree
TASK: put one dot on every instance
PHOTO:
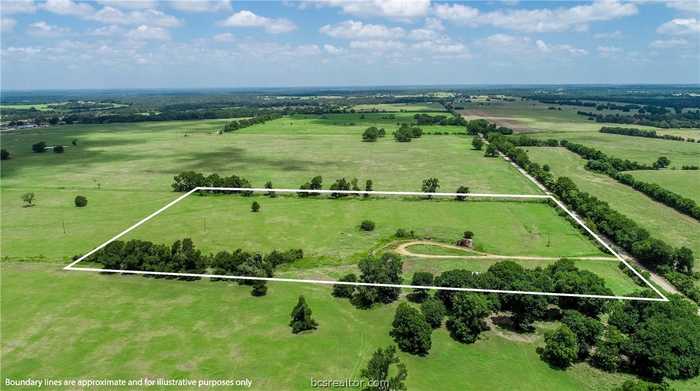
(461, 190)
(28, 199)
(301, 317)
(4, 154)
(468, 234)
(74, 142)
(58, 149)
(661, 162)
(254, 207)
(370, 134)
(587, 330)
(377, 371)
(430, 185)
(477, 143)
(411, 331)
(434, 311)
(491, 151)
(641, 385)
(80, 201)
(561, 348)
(383, 270)
(39, 147)
(368, 187)
(466, 319)
(367, 225)
(608, 349)
(421, 279)
(403, 135)
(259, 288)
(271, 194)
(343, 290)
(684, 260)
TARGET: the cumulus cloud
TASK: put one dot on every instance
(7, 24)
(201, 5)
(68, 7)
(111, 15)
(684, 5)
(18, 7)
(608, 35)
(680, 27)
(224, 37)
(43, 29)
(351, 29)
(247, 18)
(130, 4)
(106, 31)
(330, 49)
(669, 43)
(538, 20)
(393, 9)
(522, 46)
(607, 51)
(148, 33)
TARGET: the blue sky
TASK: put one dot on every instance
(189, 44)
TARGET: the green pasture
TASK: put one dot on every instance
(393, 107)
(133, 327)
(665, 223)
(683, 182)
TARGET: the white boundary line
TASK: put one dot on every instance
(71, 266)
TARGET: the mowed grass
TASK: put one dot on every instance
(329, 229)
(663, 222)
(683, 182)
(133, 327)
(641, 149)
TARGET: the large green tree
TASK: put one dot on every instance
(466, 320)
(411, 331)
(301, 317)
(377, 371)
(561, 348)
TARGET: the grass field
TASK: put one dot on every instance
(665, 223)
(38, 106)
(392, 107)
(133, 327)
(437, 250)
(641, 149)
(329, 229)
(683, 182)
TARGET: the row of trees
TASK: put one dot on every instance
(642, 133)
(427, 119)
(650, 116)
(405, 133)
(183, 257)
(386, 269)
(600, 162)
(188, 180)
(483, 126)
(598, 215)
(246, 122)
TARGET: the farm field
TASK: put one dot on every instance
(133, 327)
(683, 182)
(641, 149)
(329, 229)
(393, 107)
(669, 225)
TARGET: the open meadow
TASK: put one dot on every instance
(133, 327)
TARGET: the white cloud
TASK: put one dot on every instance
(608, 35)
(201, 5)
(351, 29)
(332, 49)
(538, 20)
(130, 4)
(18, 7)
(43, 29)
(107, 31)
(68, 7)
(246, 18)
(523, 46)
(434, 24)
(680, 27)
(224, 37)
(7, 24)
(378, 45)
(669, 43)
(393, 9)
(607, 51)
(111, 15)
(147, 33)
(684, 5)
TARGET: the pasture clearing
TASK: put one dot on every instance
(394, 107)
(683, 182)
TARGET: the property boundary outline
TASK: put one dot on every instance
(71, 266)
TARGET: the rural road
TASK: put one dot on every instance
(403, 250)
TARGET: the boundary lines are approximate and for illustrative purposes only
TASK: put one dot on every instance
(71, 267)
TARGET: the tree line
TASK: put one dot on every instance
(189, 180)
(643, 133)
(443, 120)
(653, 252)
(183, 257)
(246, 122)
(649, 117)
(599, 162)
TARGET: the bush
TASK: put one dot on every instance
(561, 348)
(342, 290)
(39, 147)
(468, 234)
(4, 154)
(434, 312)
(58, 149)
(403, 233)
(301, 317)
(367, 225)
(370, 134)
(80, 201)
(255, 207)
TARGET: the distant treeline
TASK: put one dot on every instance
(666, 99)
(427, 119)
(189, 180)
(643, 133)
(483, 126)
(660, 118)
(653, 252)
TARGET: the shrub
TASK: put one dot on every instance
(370, 134)
(301, 317)
(80, 201)
(39, 147)
(468, 234)
(255, 207)
(403, 233)
(367, 225)
(28, 199)
(561, 348)
(4, 154)
(58, 149)
(434, 312)
(342, 290)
